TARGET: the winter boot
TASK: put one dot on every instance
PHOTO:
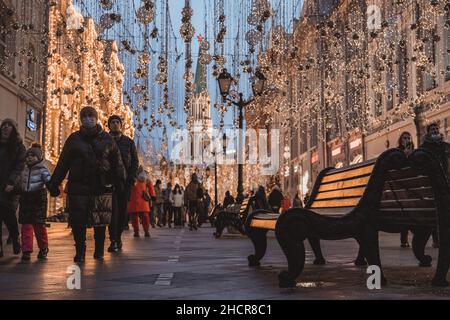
(26, 256)
(99, 236)
(113, 247)
(80, 253)
(42, 255)
(16, 246)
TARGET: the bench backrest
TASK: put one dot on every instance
(407, 198)
(238, 208)
(338, 191)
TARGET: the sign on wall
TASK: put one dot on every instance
(31, 122)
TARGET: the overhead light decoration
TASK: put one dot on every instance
(106, 4)
(187, 32)
(146, 13)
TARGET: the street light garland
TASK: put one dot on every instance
(345, 50)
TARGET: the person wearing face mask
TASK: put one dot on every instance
(130, 161)
(92, 159)
(12, 159)
(435, 144)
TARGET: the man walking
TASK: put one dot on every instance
(131, 163)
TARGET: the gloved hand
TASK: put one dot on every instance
(54, 191)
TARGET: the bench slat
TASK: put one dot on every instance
(367, 170)
(353, 192)
(404, 173)
(426, 192)
(409, 183)
(346, 202)
(335, 212)
(358, 182)
(263, 223)
(407, 203)
(407, 211)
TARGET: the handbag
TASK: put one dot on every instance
(102, 205)
(102, 210)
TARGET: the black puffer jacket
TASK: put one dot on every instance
(440, 150)
(93, 161)
(129, 157)
(275, 198)
(11, 166)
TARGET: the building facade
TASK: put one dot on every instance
(82, 70)
(351, 78)
(23, 60)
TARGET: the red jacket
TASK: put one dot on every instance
(285, 204)
(137, 202)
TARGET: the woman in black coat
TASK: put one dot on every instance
(93, 161)
(12, 160)
(275, 198)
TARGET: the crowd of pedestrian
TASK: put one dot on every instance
(106, 187)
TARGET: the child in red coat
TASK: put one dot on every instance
(139, 204)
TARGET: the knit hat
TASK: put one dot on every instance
(88, 111)
(431, 125)
(36, 150)
(10, 122)
(114, 117)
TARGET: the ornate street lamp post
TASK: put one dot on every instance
(225, 80)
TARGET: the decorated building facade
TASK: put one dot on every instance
(23, 51)
(82, 70)
(351, 78)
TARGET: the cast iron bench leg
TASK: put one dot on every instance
(290, 236)
(369, 245)
(259, 240)
(443, 264)
(419, 241)
(360, 260)
(315, 246)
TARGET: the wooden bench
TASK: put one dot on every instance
(232, 216)
(389, 194)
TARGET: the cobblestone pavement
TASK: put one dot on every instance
(183, 264)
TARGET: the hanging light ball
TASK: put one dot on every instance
(146, 13)
(187, 31)
(204, 45)
(106, 4)
(144, 58)
(205, 59)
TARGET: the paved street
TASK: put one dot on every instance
(179, 264)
